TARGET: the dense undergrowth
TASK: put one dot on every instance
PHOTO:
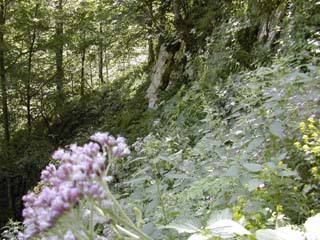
(229, 144)
(227, 141)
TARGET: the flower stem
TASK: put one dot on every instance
(91, 226)
(161, 201)
(125, 219)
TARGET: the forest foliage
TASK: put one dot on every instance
(231, 150)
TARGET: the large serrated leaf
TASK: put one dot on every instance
(189, 226)
(227, 229)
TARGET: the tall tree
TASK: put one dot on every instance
(83, 49)
(32, 39)
(59, 53)
(3, 79)
(101, 45)
(4, 93)
(151, 55)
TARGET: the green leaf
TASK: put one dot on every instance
(254, 144)
(189, 226)
(227, 229)
(138, 180)
(198, 236)
(177, 176)
(233, 171)
(288, 173)
(282, 156)
(276, 129)
(283, 233)
(220, 215)
(253, 167)
(254, 184)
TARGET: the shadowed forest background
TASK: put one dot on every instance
(218, 100)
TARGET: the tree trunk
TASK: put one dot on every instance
(28, 84)
(107, 67)
(59, 56)
(3, 79)
(161, 27)
(91, 74)
(5, 110)
(176, 5)
(83, 80)
(151, 55)
(101, 49)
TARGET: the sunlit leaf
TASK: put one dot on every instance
(220, 215)
(283, 233)
(198, 236)
(189, 226)
(227, 228)
(312, 226)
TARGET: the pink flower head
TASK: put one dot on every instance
(101, 138)
(75, 177)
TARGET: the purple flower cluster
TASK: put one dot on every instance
(117, 145)
(75, 178)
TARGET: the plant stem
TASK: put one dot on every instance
(91, 226)
(161, 201)
(110, 161)
(127, 221)
(125, 231)
(159, 195)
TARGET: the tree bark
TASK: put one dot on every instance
(176, 5)
(151, 55)
(5, 110)
(101, 50)
(83, 80)
(3, 78)
(28, 84)
(107, 67)
(59, 56)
